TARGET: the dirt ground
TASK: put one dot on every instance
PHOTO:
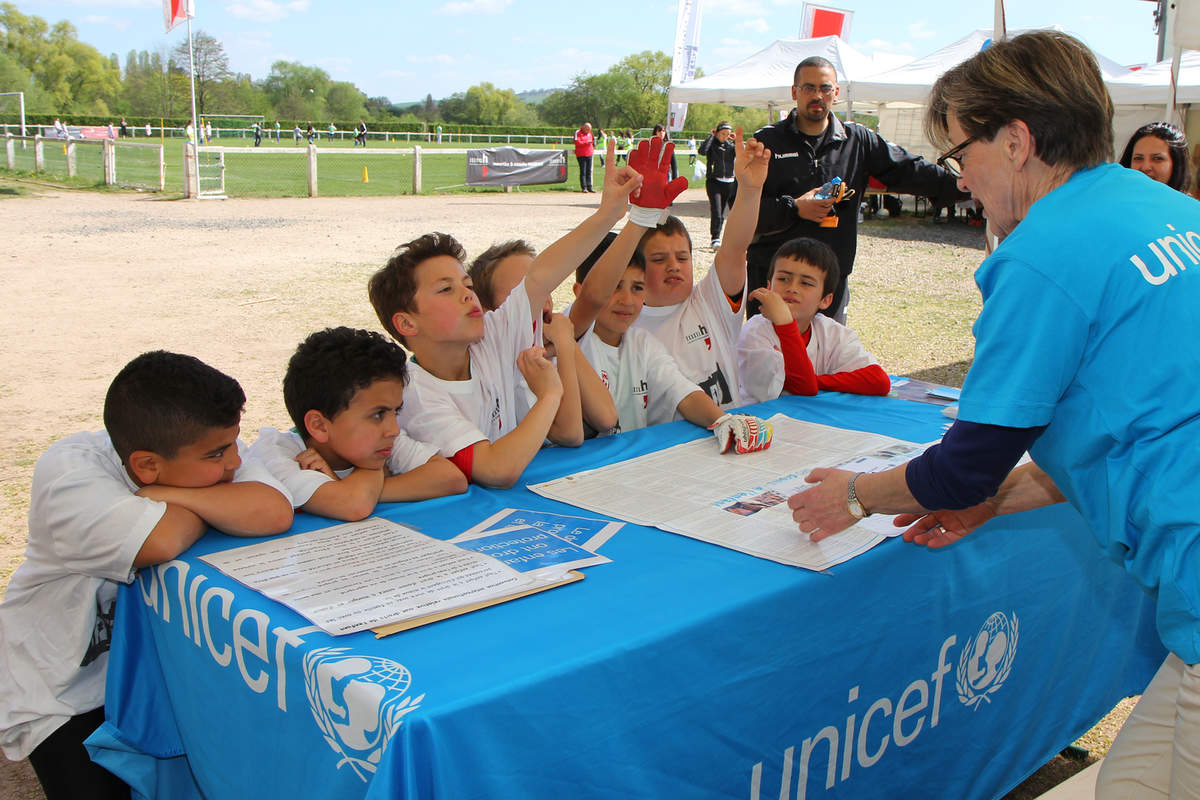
(92, 279)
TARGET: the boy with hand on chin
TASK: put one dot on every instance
(166, 467)
(646, 383)
(343, 388)
(462, 397)
(790, 348)
(586, 402)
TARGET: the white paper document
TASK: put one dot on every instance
(737, 501)
(362, 575)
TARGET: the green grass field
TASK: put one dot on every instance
(255, 174)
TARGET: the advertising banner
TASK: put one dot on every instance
(511, 166)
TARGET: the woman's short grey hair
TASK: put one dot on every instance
(1048, 80)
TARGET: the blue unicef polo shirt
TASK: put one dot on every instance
(1091, 326)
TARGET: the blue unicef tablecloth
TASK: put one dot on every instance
(681, 670)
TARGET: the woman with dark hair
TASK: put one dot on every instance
(1083, 350)
(1159, 150)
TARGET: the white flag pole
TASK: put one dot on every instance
(683, 60)
(192, 74)
(999, 26)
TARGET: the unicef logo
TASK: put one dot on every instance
(986, 660)
(358, 702)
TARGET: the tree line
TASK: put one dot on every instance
(62, 75)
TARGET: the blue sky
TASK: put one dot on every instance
(404, 50)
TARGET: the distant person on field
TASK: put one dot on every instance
(439, 133)
(277, 131)
(791, 348)
(360, 133)
(257, 134)
(149, 130)
(111, 131)
(585, 148)
(189, 132)
(311, 134)
(104, 504)
(208, 131)
(586, 403)
(346, 453)
(297, 134)
(718, 177)
(332, 131)
(124, 130)
(660, 132)
(462, 395)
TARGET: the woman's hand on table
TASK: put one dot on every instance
(940, 528)
(822, 510)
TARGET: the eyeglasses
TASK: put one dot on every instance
(809, 88)
(951, 160)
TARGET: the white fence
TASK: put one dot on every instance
(115, 163)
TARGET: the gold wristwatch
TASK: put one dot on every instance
(853, 503)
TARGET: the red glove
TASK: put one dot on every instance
(653, 161)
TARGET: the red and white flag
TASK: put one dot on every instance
(176, 11)
(825, 21)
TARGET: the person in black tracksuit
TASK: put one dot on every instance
(718, 180)
(809, 148)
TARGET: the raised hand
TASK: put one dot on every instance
(618, 181)
(652, 160)
(772, 306)
(751, 160)
(311, 459)
(539, 372)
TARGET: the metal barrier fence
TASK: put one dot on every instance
(107, 161)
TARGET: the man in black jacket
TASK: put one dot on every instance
(808, 149)
(718, 178)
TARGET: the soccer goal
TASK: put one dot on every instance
(12, 114)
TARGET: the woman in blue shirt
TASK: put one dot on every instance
(1086, 348)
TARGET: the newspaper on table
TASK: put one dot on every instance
(740, 502)
(587, 532)
(361, 575)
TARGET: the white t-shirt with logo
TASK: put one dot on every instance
(832, 348)
(452, 415)
(86, 526)
(277, 451)
(701, 335)
(643, 379)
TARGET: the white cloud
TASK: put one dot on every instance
(444, 59)
(462, 7)
(265, 10)
(920, 30)
(100, 19)
(738, 8)
(757, 25)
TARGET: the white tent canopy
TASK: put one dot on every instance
(765, 79)
(1151, 85)
(911, 83)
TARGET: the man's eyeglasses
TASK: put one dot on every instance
(951, 160)
(809, 88)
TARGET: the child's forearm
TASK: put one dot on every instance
(350, 498)
(870, 380)
(567, 428)
(730, 261)
(500, 463)
(560, 259)
(596, 402)
(175, 532)
(604, 276)
(799, 375)
(699, 408)
(247, 508)
(437, 477)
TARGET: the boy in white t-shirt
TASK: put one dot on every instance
(166, 467)
(699, 324)
(645, 381)
(462, 396)
(586, 402)
(791, 348)
(343, 389)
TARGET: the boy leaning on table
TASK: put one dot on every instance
(343, 388)
(166, 467)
